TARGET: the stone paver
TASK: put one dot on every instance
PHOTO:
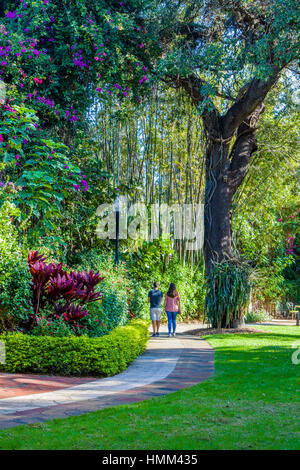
(169, 364)
(12, 385)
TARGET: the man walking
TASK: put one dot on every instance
(154, 297)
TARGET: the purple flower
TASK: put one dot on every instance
(11, 14)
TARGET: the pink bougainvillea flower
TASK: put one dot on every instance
(11, 14)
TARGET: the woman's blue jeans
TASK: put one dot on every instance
(172, 321)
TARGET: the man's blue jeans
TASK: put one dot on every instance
(172, 321)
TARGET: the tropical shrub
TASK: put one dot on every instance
(66, 292)
(148, 259)
(106, 315)
(228, 292)
(52, 327)
(257, 316)
(123, 296)
(14, 273)
(82, 356)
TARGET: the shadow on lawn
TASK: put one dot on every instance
(249, 351)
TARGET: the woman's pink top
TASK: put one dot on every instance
(171, 303)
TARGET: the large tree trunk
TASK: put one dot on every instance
(217, 207)
(225, 173)
(226, 169)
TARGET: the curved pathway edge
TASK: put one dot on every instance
(168, 365)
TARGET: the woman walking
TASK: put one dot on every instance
(172, 307)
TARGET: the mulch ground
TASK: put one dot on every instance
(221, 331)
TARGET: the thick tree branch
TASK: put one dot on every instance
(246, 19)
(243, 148)
(193, 85)
(252, 97)
(192, 31)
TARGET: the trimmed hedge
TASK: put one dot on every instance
(75, 356)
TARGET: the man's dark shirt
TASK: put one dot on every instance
(155, 296)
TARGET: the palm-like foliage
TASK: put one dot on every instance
(51, 284)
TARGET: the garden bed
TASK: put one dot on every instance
(75, 356)
(221, 331)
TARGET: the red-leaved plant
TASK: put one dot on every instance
(53, 287)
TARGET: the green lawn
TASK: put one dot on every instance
(251, 402)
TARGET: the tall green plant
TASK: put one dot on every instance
(227, 292)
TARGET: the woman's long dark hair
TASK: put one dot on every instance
(172, 292)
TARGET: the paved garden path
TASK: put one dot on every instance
(168, 364)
